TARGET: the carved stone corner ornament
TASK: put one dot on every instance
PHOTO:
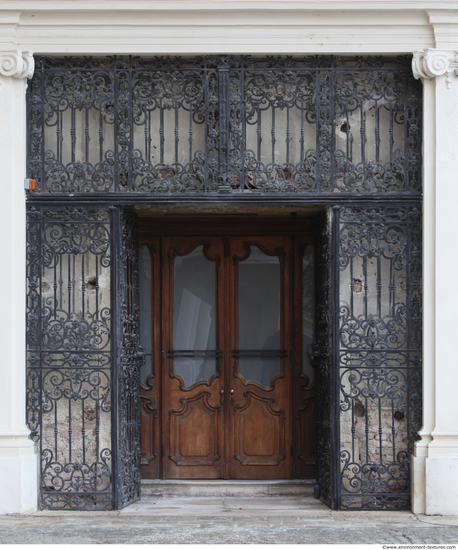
(17, 64)
(431, 63)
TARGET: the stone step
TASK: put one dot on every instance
(227, 488)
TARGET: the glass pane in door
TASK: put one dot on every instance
(194, 316)
(259, 317)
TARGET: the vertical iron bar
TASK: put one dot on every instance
(377, 133)
(393, 431)
(86, 134)
(146, 131)
(391, 133)
(366, 286)
(224, 135)
(258, 133)
(352, 286)
(206, 80)
(43, 141)
(379, 286)
(392, 288)
(380, 429)
(362, 131)
(56, 432)
(74, 283)
(302, 138)
(61, 282)
(40, 339)
(54, 286)
(115, 236)
(176, 131)
(97, 288)
(366, 431)
(83, 431)
(331, 119)
(353, 431)
(335, 370)
(70, 427)
(243, 146)
(406, 133)
(59, 136)
(161, 133)
(150, 139)
(318, 129)
(116, 132)
(72, 132)
(69, 285)
(97, 429)
(130, 157)
(288, 134)
(272, 132)
(190, 138)
(100, 133)
(83, 288)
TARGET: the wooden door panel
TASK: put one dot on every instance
(259, 432)
(260, 376)
(192, 412)
(195, 431)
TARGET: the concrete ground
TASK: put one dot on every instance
(228, 520)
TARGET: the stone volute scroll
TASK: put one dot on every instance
(430, 63)
(17, 64)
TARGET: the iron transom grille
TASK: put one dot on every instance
(241, 126)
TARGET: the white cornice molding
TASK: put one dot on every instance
(226, 5)
(428, 64)
(17, 64)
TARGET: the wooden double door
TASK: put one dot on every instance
(224, 309)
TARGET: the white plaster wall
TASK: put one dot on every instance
(18, 461)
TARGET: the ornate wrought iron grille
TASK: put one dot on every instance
(129, 359)
(241, 126)
(342, 132)
(379, 352)
(69, 354)
(74, 365)
(321, 356)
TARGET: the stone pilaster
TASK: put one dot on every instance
(18, 460)
(435, 460)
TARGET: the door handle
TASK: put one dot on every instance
(232, 397)
(221, 400)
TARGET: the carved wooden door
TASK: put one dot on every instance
(193, 343)
(227, 351)
(259, 376)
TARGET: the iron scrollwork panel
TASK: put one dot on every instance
(321, 358)
(124, 125)
(130, 357)
(227, 124)
(69, 354)
(379, 353)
